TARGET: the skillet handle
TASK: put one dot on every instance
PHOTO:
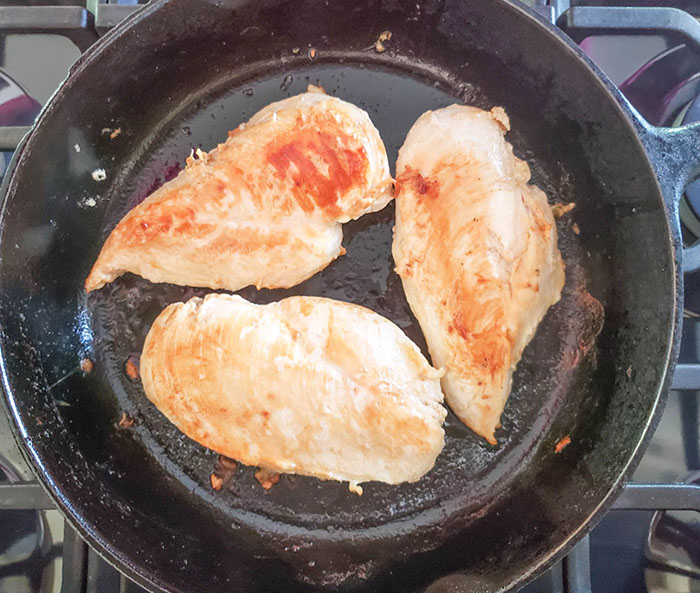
(675, 152)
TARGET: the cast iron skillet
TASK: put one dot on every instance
(178, 75)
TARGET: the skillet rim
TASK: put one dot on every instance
(640, 129)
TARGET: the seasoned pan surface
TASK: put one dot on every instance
(141, 491)
(469, 472)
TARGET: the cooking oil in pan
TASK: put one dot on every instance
(468, 471)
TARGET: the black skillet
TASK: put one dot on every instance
(178, 75)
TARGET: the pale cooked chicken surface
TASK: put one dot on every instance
(306, 385)
(475, 245)
(264, 208)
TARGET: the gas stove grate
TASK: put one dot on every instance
(574, 575)
(83, 27)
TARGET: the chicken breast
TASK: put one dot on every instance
(306, 385)
(264, 208)
(475, 246)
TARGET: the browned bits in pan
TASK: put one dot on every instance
(216, 482)
(131, 368)
(379, 44)
(587, 323)
(227, 463)
(223, 472)
(113, 133)
(574, 227)
(356, 488)
(562, 444)
(266, 477)
(86, 365)
(125, 421)
(559, 209)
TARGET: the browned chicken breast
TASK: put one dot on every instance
(306, 385)
(476, 248)
(264, 208)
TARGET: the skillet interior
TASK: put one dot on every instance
(143, 493)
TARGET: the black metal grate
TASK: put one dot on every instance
(83, 27)
(574, 575)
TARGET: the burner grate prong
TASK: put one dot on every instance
(24, 495)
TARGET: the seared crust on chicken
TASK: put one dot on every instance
(475, 245)
(264, 208)
(306, 385)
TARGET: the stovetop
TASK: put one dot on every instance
(636, 548)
